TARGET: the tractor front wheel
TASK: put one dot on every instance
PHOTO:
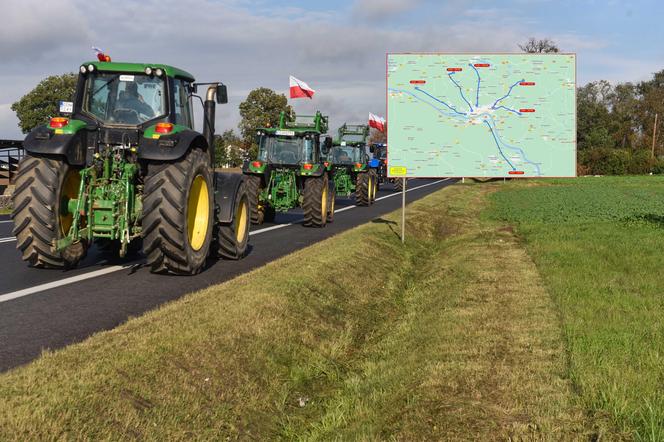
(315, 201)
(44, 187)
(178, 214)
(232, 239)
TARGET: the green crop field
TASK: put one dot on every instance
(598, 244)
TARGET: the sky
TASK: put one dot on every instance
(337, 47)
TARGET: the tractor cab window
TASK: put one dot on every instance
(346, 155)
(286, 149)
(124, 99)
(183, 114)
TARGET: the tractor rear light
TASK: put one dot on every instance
(358, 165)
(163, 128)
(58, 122)
(256, 164)
(307, 166)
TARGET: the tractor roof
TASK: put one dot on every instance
(303, 124)
(139, 67)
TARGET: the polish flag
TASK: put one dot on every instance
(300, 89)
(377, 122)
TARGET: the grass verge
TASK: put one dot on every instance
(451, 336)
(598, 245)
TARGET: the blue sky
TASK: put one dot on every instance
(337, 47)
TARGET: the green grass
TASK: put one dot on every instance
(598, 244)
(5, 211)
(450, 337)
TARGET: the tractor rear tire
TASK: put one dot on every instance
(231, 240)
(178, 214)
(254, 188)
(363, 189)
(316, 191)
(398, 184)
(43, 187)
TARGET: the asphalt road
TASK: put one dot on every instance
(48, 309)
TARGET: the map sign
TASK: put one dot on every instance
(484, 115)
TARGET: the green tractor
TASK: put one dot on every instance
(125, 168)
(349, 161)
(290, 171)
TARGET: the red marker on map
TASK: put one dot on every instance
(481, 65)
(417, 81)
(527, 83)
(516, 172)
(454, 69)
(526, 110)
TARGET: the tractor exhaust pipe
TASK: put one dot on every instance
(208, 120)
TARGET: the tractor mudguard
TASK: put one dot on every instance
(170, 147)
(46, 142)
(226, 185)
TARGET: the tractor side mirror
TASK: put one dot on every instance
(327, 145)
(222, 94)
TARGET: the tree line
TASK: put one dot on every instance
(616, 129)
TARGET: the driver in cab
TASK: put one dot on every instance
(131, 99)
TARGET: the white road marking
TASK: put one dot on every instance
(5, 221)
(8, 239)
(105, 271)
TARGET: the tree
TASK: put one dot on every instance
(534, 46)
(35, 107)
(377, 136)
(594, 124)
(229, 149)
(261, 108)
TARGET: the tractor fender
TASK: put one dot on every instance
(170, 147)
(226, 186)
(44, 141)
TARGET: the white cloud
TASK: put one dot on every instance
(378, 10)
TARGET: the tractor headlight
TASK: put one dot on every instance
(83, 69)
(91, 67)
(159, 72)
(148, 71)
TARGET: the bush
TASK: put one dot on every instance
(609, 161)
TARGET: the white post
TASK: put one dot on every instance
(403, 210)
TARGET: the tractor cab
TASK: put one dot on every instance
(350, 146)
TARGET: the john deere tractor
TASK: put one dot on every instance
(290, 171)
(349, 159)
(123, 166)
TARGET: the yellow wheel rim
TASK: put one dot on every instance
(323, 203)
(68, 191)
(241, 215)
(332, 203)
(198, 213)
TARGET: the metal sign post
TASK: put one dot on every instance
(403, 210)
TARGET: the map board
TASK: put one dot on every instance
(481, 115)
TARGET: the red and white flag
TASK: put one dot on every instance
(300, 89)
(377, 122)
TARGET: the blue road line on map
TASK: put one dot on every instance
(518, 149)
(460, 90)
(479, 80)
(498, 145)
(506, 95)
(426, 102)
(508, 109)
(440, 101)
